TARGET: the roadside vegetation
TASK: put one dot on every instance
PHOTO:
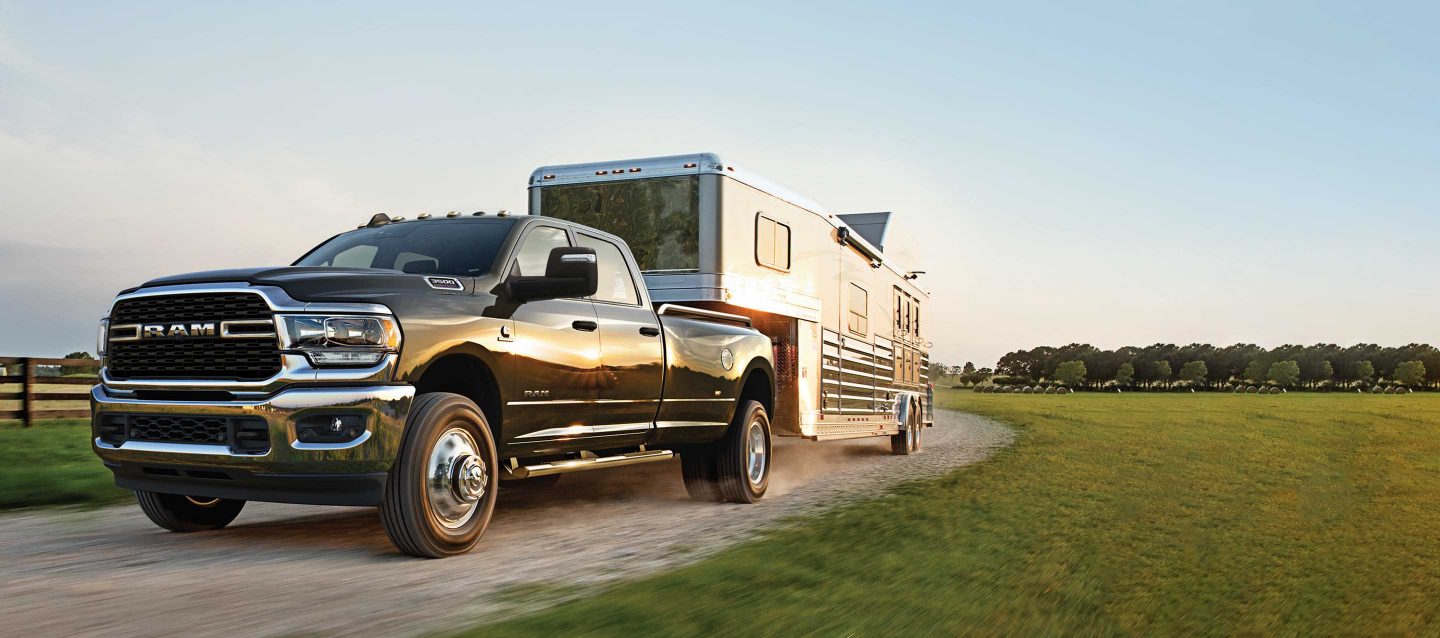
(51, 464)
(1322, 367)
(1112, 514)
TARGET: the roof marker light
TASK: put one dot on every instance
(548, 177)
(452, 214)
(423, 216)
(478, 213)
(600, 172)
(690, 165)
(634, 170)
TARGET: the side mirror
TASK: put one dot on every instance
(571, 272)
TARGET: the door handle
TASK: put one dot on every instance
(584, 326)
(649, 331)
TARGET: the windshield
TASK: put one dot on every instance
(659, 218)
(460, 248)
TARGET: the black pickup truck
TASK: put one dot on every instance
(414, 366)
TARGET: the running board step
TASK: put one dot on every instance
(577, 465)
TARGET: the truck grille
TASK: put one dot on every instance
(243, 435)
(191, 357)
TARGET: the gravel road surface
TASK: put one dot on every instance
(303, 570)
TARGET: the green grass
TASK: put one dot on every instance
(1134, 514)
(51, 464)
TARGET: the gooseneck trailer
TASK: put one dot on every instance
(845, 317)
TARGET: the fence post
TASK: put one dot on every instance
(27, 387)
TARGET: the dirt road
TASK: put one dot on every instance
(291, 569)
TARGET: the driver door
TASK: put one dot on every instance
(556, 366)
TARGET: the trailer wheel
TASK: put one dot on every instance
(442, 488)
(188, 513)
(907, 440)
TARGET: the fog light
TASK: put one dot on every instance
(345, 358)
(330, 428)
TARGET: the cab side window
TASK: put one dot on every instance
(534, 254)
(616, 285)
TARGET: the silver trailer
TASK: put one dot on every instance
(844, 317)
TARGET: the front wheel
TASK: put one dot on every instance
(441, 491)
(188, 513)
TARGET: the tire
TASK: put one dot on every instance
(907, 440)
(742, 460)
(697, 465)
(188, 513)
(721, 471)
(442, 489)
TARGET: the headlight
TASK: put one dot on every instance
(341, 341)
(102, 339)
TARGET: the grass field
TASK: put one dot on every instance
(1134, 514)
(51, 464)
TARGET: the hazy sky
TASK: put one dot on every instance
(1112, 173)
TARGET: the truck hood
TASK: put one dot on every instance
(310, 283)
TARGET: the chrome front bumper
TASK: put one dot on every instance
(384, 409)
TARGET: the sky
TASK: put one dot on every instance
(1112, 173)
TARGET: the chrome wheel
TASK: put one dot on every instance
(756, 453)
(456, 477)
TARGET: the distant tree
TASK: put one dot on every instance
(968, 369)
(1194, 372)
(1070, 373)
(1323, 372)
(1162, 371)
(1284, 373)
(1364, 372)
(1409, 373)
(66, 370)
(1257, 371)
(1125, 374)
(937, 371)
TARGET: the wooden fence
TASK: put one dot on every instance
(32, 406)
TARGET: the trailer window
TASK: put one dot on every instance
(899, 309)
(859, 305)
(658, 217)
(772, 243)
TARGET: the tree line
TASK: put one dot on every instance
(1203, 366)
